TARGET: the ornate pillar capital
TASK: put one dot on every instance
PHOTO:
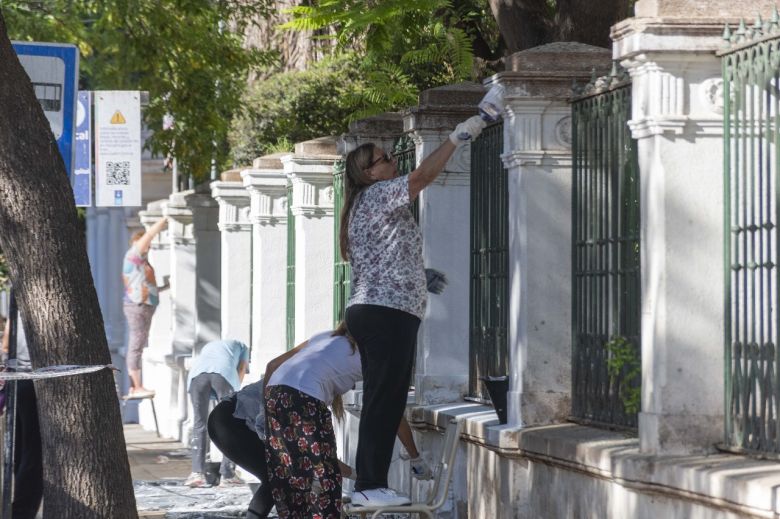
(677, 85)
(179, 216)
(538, 85)
(310, 169)
(267, 187)
(233, 200)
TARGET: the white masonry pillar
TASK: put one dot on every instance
(442, 367)
(208, 280)
(267, 187)
(310, 169)
(537, 156)
(669, 50)
(182, 297)
(236, 266)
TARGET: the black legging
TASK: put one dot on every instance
(242, 446)
(387, 339)
(28, 463)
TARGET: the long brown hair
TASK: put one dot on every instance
(355, 181)
(337, 406)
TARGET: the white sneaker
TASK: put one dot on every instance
(196, 480)
(379, 497)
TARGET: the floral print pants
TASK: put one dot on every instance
(303, 469)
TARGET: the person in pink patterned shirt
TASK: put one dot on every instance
(140, 301)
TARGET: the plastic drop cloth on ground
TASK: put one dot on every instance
(179, 502)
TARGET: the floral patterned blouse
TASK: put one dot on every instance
(139, 279)
(385, 249)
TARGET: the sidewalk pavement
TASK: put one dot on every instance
(159, 467)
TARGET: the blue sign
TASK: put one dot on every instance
(53, 69)
(81, 180)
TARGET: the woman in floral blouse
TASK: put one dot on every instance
(381, 240)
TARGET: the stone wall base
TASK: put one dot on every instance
(567, 470)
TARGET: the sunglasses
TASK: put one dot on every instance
(385, 157)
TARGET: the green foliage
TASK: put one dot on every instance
(187, 54)
(406, 45)
(295, 106)
(4, 272)
(623, 365)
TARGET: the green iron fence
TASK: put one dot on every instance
(290, 269)
(341, 268)
(606, 304)
(751, 79)
(489, 270)
(404, 152)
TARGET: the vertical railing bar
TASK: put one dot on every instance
(774, 230)
(734, 274)
(595, 270)
(574, 255)
(752, 271)
(727, 247)
(765, 347)
(743, 273)
(768, 267)
(764, 365)
(606, 157)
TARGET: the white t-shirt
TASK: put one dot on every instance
(385, 249)
(324, 368)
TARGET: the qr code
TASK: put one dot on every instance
(118, 173)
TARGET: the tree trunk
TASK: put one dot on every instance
(523, 24)
(86, 471)
(586, 21)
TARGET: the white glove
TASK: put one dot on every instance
(468, 130)
(420, 469)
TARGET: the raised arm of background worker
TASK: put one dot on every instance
(144, 242)
(434, 163)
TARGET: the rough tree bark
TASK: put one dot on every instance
(86, 471)
(527, 23)
(522, 23)
(586, 21)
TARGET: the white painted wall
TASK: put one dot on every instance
(310, 169)
(266, 184)
(236, 260)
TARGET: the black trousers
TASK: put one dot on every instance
(241, 445)
(387, 339)
(28, 464)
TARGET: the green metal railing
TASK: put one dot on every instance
(342, 272)
(489, 303)
(606, 304)
(290, 269)
(406, 155)
(751, 78)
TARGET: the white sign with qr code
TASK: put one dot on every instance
(117, 148)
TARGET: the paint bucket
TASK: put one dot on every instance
(212, 473)
(497, 388)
